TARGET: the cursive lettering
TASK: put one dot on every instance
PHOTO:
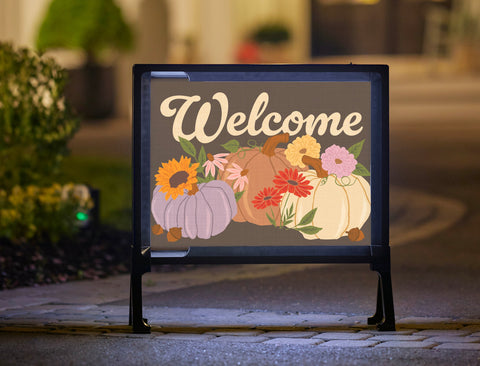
(238, 123)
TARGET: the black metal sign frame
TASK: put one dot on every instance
(377, 254)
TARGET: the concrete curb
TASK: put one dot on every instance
(238, 326)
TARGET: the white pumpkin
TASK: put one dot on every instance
(342, 204)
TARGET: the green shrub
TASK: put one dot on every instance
(92, 26)
(40, 214)
(273, 33)
(35, 122)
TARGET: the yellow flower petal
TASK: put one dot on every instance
(175, 177)
(305, 145)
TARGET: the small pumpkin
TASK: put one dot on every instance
(343, 204)
(203, 212)
(260, 166)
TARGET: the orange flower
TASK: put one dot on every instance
(176, 177)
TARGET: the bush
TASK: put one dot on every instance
(273, 33)
(35, 122)
(41, 215)
(90, 25)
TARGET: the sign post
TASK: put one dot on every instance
(261, 164)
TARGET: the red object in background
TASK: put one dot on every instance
(248, 53)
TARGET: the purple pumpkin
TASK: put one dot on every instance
(204, 214)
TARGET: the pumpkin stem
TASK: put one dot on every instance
(272, 142)
(194, 189)
(315, 164)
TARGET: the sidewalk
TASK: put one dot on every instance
(91, 308)
(240, 326)
(99, 308)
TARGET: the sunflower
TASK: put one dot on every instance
(305, 145)
(175, 177)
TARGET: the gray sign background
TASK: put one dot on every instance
(285, 97)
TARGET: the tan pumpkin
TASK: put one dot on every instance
(342, 204)
(260, 166)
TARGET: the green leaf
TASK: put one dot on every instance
(308, 218)
(290, 211)
(202, 157)
(361, 170)
(239, 195)
(287, 222)
(272, 221)
(288, 214)
(309, 230)
(356, 149)
(202, 180)
(231, 146)
(188, 147)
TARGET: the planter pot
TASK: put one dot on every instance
(466, 56)
(274, 53)
(91, 91)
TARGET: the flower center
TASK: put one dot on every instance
(178, 178)
(244, 172)
(292, 182)
(338, 161)
(210, 157)
(303, 151)
(266, 198)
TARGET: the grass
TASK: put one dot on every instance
(113, 177)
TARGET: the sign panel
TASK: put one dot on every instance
(259, 163)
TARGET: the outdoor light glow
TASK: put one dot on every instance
(82, 216)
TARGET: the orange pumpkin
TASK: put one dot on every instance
(260, 166)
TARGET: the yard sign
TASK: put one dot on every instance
(255, 164)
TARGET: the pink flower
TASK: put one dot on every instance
(337, 160)
(213, 161)
(240, 175)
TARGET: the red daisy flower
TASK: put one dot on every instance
(268, 197)
(291, 181)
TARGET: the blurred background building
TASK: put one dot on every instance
(446, 32)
